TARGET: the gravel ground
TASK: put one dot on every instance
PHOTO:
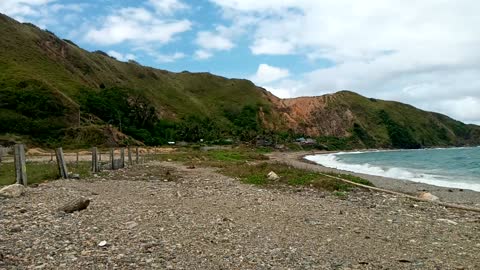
(165, 216)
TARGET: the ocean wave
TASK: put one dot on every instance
(331, 161)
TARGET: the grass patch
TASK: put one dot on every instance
(38, 172)
(250, 167)
(212, 157)
(257, 174)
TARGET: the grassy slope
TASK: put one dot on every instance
(426, 128)
(67, 68)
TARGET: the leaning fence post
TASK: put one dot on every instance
(130, 162)
(112, 160)
(62, 167)
(136, 153)
(94, 160)
(20, 164)
(122, 157)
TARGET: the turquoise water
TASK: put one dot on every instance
(452, 167)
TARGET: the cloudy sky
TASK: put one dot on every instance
(426, 53)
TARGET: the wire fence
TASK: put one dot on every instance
(34, 166)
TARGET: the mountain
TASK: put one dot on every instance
(53, 92)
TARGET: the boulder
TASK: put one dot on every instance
(273, 176)
(427, 196)
(12, 191)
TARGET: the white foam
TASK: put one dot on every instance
(331, 161)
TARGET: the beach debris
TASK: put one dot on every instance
(12, 191)
(427, 196)
(448, 221)
(76, 204)
(273, 176)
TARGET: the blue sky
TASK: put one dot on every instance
(420, 52)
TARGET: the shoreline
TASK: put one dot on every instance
(449, 195)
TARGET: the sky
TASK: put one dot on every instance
(425, 53)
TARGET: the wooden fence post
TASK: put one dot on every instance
(130, 161)
(112, 158)
(136, 157)
(99, 155)
(62, 167)
(20, 164)
(78, 154)
(95, 160)
(122, 157)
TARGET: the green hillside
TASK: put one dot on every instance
(54, 93)
(85, 89)
(389, 124)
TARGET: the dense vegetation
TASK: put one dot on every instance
(54, 93)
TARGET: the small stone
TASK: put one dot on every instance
(273, 176)
(427, 196)
(102, 243)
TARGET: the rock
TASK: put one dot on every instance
(102, 243)
(273, 176)
(12, 191)
(76, 204)
(74, 176)
(427, 196)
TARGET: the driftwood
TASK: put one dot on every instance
(77, 204)
(449, 205)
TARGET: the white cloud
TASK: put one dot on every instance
(68, 7)
(267, 74)
(213, 41)
(273, 47)
(168, 58)
(202, 54)
(18, 9)
(136, 25)
(423, 52)
(120, 56)
(168, 6)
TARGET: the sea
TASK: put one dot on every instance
(445, 167)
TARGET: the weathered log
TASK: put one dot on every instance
(76, 204)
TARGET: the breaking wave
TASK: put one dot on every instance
(332, 161)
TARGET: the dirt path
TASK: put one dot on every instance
(164, 216)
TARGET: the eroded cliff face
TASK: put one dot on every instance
(314, 116)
